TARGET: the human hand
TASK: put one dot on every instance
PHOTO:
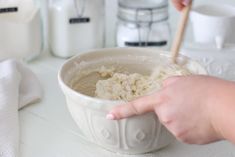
(185, 105)
(180, 4)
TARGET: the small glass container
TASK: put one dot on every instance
(76, 26)
(143, 23)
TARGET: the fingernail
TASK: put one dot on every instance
(186, 2)
(110, 116)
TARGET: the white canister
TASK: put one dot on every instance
(20, 30)
(76, 26)
(214, 24)
(143, 24)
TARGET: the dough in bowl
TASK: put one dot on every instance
(128, 86)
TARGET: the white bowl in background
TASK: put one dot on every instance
(135, 135)
(214, 23)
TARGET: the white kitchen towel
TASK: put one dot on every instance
(18, 87)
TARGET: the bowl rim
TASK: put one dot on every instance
(197, 12)
(66, 88)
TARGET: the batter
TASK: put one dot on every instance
(124, 86)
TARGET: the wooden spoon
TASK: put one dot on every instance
(180, 32)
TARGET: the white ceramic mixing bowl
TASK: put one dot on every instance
(139, 134)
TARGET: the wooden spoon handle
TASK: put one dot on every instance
(180, 32)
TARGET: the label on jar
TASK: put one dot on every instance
(79, 20)
(143, 44)
(8, 10)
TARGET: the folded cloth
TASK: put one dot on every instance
(18, 87)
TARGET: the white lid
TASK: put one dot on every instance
(143, 4)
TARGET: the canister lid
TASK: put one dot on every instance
(143, 4)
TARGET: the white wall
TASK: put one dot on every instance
(43, 4)
(111, 13)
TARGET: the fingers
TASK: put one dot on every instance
(136, 107)
(180, 4)
(186, 2)
(141, 105)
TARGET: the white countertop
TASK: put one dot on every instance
(47, 129)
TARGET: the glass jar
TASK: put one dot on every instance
(76, 26)
(20, 29)
(143, 23)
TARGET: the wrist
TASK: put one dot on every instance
(212, 112)
(221, 109)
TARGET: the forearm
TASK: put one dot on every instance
(222, 110)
